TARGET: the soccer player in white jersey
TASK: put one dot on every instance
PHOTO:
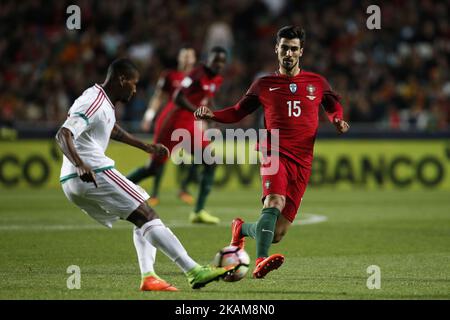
(90, 181)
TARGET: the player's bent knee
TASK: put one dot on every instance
(148, 211)
(142, 215)
(275, 201)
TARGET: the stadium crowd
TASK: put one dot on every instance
(396, 77)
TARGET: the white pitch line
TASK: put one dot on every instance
(306, 218)
(309, 218)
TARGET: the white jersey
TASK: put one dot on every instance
(91, 119)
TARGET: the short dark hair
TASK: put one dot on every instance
(218, 49)
(122, 66)
(292, 32)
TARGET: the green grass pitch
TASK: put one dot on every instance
(405, 233)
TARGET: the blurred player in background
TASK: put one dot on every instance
(290, 98)
(90, 181)
(168, 82)
(197, 89)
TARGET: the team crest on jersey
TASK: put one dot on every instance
(311, 92)
(267, 184)
(293, 87)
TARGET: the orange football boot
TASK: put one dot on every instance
(186, 197)
(153, 201)
(152, 283)
(265, 265)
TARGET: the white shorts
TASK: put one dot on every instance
(115, 198)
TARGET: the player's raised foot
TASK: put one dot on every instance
(186, 197)
(153, 201)
(265, 265)
(200, 276)
(203, 216)
(154, 283)
(237, 239)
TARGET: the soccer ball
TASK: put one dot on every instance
(233, 255)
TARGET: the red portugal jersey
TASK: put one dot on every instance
(171, 81)
(198, 87)
(291, 105)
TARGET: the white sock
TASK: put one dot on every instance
(146, 253)
(162, 238)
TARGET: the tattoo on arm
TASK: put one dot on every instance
(121, 135)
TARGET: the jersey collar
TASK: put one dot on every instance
(277, 72)
(103, 91)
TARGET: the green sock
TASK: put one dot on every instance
(265, 231)
(157, 182)
(138, 174)
(190, 177)
(205, 187)
(143, 172)
(249, 230)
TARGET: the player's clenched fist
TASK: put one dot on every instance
(341, 125)
(158, 150)
(203, 113)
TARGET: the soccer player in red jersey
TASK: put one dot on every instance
(168, 83)
(197, 89)
(290, 99)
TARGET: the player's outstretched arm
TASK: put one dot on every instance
(64, 138)
(121, 135)
(334, 111)
(235, 113)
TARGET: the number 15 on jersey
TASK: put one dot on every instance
(294, 108)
